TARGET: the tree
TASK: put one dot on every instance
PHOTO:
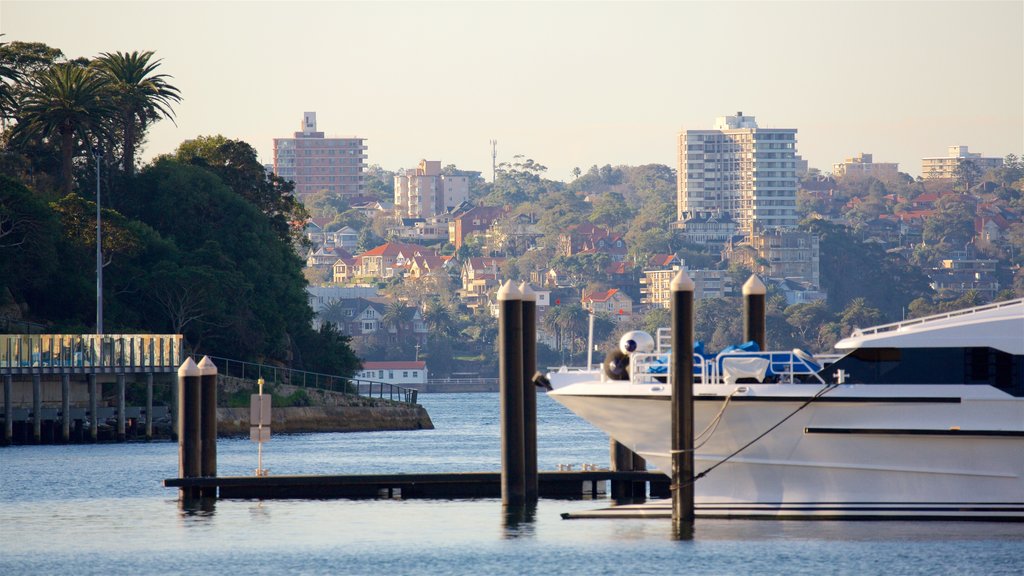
(65, 101)
(236, 163)
(139, 95)
(967, 173)
(7, 74)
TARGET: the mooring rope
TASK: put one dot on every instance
(818, 395)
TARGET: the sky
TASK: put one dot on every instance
(568, 84)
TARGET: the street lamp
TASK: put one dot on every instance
(98, 154)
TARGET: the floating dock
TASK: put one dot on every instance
(555, 484)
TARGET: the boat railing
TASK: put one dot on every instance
(653, 368)
(896, 326)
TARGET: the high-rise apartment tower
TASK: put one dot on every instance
(315, 163)
(738, 168)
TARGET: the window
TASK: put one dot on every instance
(391, 375)
(405, 374)
(380, 374)
(415, 374)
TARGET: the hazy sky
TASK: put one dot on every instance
(569, 84)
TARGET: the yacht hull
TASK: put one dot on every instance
(855, 452)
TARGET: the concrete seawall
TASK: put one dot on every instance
(235, 421)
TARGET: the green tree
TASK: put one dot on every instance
(67, 101)
(236, 164)
(139, 95)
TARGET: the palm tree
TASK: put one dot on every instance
(139, 95)
(7, 74)
(439, 319)
(66, 100)
(393, 318)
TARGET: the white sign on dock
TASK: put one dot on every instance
(258, 434)
(259, 425)
(259, 410)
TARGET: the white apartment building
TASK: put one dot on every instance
(741, 169)
(946, 166)
(863, 165)
(423, 191)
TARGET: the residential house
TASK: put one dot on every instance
(360, 317)
(583, 238)
(467, 220)
(388, 260)
(614, 303)
(326, 256)
(405, 373)
(715, 228)
(480, 280)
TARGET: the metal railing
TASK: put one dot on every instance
(896, 326)
(315, 380)
(56, 353)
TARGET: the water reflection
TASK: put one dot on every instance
(518, 521)
(204, 507)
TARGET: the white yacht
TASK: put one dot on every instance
(917, 419)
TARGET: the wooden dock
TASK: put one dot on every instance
(560, 484)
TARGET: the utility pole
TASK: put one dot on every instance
(98, 154)
(494, 161)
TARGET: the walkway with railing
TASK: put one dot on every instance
(315, 380)
(28, 354)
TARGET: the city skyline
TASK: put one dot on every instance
(569, 84)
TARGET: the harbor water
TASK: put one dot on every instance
(101, 509)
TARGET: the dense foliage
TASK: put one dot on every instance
(201, 243)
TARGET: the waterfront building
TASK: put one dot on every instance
(315, 163)
(947, 167)
(863, 165)
(398, 372)
(742, 169)
(424, 191)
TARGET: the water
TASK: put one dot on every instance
(101, 509)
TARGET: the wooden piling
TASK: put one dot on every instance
(682, 403)
(8, 411)
(65, 407)
(189, 424)
(621, 460)
(208, 422)
(37, 409)
(149, 406)
(529, 391)
(122, 416)
(510, 381)
(754, 310)
(94, 421)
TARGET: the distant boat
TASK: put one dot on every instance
(928, 422)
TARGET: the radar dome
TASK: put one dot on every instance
(636, 341)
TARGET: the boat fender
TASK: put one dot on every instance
(616, 365)
(541, 381)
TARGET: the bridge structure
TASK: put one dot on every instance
(43, 371)
(51, 379)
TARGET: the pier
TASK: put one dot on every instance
(58, 379)
(553, 484)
